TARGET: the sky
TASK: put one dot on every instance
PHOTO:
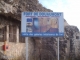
(70, 9)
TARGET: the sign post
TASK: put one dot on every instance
(58, 48)
(42, 24)
(26, 40)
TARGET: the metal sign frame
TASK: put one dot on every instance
(42, 24)
(27, 20)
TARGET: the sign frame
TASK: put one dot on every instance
(29, 15)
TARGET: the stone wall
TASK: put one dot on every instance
(76, 40)
(15, 50)
(43, 48)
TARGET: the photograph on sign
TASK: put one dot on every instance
(41, 25)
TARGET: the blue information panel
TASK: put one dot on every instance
(42, 24)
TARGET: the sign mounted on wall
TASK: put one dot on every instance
(42, 24)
